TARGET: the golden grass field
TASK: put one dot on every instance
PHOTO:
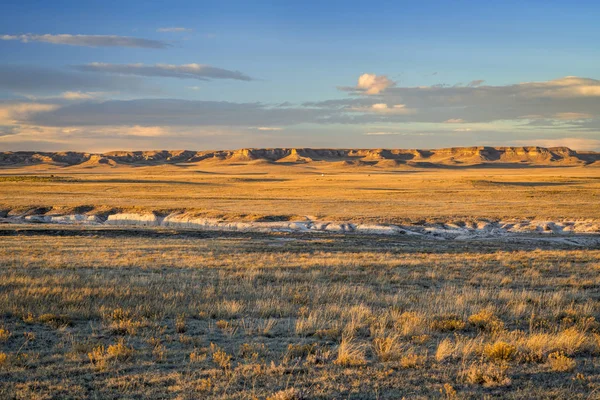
(246, 191)
(119, 313)
(129, 312)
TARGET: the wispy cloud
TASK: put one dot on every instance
(185, 71)
(174, 29)
(269, 128)
(392, 133)
(41, 81)
(383, 108)
(570, 142)
(89, 40)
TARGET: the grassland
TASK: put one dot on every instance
(128, 312)
(123, 313)
(248, 191)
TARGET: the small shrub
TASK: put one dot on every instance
(449, 323)
(98, 357)
(500, 351)
(488, 375)
(119, 351)
(486, 321)
(119, 314)
(220, 357)
(3, 359)
(559, 362)
(29, 318)
(4, 334)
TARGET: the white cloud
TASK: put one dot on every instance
(462, 130)
(88, 40)
(374, 84)
(454, 121)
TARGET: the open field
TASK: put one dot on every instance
(243, 277)
(114, 313)
(344, 188)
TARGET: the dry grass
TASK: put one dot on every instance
(350, 353)
(123, 314)
(250, 191)
(560, 363)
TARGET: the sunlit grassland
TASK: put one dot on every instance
(121, 314)
(364, 195)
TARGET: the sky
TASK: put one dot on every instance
(140, 75)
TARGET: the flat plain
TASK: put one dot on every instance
(96, 311)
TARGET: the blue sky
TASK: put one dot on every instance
(108, 75)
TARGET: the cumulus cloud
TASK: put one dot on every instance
(89, 40)
(374, 84)
(174, 29)
(568, 98)
(185, 71)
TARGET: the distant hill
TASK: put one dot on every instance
(380, 158)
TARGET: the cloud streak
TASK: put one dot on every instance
(173, 112)
(89, 40)
(174, 29)
(185, 71)
(27, 79)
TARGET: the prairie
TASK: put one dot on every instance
(247, 191)
(156, 313)
(114, 311)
